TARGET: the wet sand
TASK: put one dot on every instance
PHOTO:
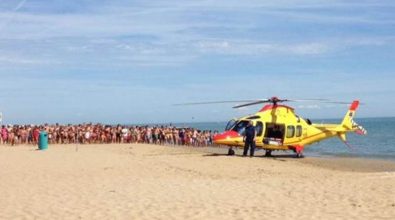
(157, 182)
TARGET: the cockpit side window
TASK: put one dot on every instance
(240, 127)
(230, 125)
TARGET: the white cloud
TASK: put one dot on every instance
(176, 32)
(20, 60)
(257, 48)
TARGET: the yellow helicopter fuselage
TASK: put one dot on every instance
(279, 128)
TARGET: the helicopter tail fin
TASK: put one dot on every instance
(348, 123)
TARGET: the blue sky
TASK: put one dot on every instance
(129, 61)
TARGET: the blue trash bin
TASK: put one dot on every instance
(43, 141)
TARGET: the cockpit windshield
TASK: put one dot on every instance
(240, 127)
(230, 125)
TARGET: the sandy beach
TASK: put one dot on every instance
(132, 181)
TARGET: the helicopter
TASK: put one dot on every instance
(277, 127)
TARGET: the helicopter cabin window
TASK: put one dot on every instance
(298, 131)
(240, 127)
(259, 129)
(290, 131)
(230, 125)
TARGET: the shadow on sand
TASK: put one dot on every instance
(274, 157)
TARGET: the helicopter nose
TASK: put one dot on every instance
(225, 136)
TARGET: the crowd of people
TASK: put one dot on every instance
(105, 134)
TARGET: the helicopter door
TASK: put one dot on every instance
(274, 134)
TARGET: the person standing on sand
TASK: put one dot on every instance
(249, 139)
(36, 133)
(4, 134)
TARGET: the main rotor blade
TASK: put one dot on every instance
(260, 101)
(213, 102)
(252, 103)
(320, 100)
(341, 103)
(308, 100)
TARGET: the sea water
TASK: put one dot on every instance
(378, 143)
